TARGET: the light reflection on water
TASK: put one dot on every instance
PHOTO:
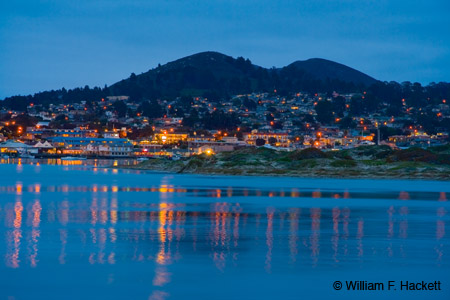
(166, 220)
(164, 232)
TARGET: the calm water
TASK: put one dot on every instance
(72, 231)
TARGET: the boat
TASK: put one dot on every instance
(26, 155)
(73, 158)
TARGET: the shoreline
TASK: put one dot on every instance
(314, 174)
(310, 175)
(303, 164)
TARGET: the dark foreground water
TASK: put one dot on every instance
(84, 232)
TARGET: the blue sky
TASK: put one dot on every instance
(51, 44)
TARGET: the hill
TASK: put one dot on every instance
(323, 69)
(216, 74)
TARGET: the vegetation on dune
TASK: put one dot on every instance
(367, 161)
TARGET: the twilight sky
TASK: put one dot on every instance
(49, 44)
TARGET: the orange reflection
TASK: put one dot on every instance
(19, 188)
(36, 209)
(35, 232)
(18, 209)
(64, 212)
(295, 193)
(113, 211)
(93, 210)
(162, 277)
(164, 232)
(103, 211)
(14, 238)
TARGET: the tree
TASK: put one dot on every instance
(270, 117)
(277, 125)
(141, 133)
(220, 120)
(339, 105)
(192, 119)
(151, 109)
(249, 104)
(120, 108)
(272, 141)
(357, 106)
(186, 102)
(260, 142)
(347, 123)
(324, 110)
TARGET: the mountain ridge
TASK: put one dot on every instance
(336, 69)
(218, 73)
(215, 76)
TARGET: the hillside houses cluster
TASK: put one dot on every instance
(119, 127)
